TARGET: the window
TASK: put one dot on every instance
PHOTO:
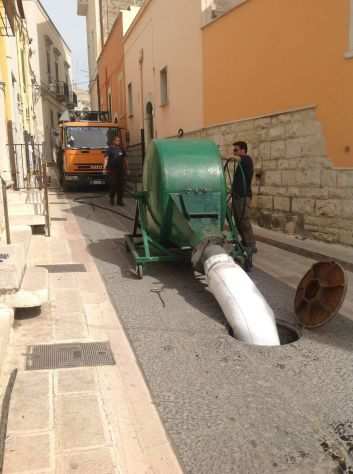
(52, 119)
(164, 86)
(23, 70)
(130, 101)
(90, 137)
(57, 76)
(56, 71)
(110, 104)
(48, 66)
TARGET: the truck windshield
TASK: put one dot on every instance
(90, 137)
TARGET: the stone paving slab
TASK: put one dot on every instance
(30, 404)
(87, 462)
(75, 380)
(27, 454)
(78, 421)
(69, 325)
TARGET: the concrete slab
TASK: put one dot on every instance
(34, 325)
(76, 380)
(27, 454)
(86, 462)
(63, 280)
(78, 422)
(6, 323)
(30, 401)
(22, 209)
(69, 326)
(12, 266)
(16, 197)
(21, 234)
(67, 301)
(34, 290)
(336, 251)
(27, 219)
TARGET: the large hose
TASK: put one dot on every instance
(247, 312)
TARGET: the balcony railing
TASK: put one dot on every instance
(62, 92)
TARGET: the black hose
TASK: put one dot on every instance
(82, 200)
(5, 416)
(245, 188)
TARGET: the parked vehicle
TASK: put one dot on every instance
(83, 138)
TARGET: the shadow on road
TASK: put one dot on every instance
(178, 277)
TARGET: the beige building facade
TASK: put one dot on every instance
(83, 99)
(51, 59)
(17, 91)
(100, 18)
(163, 69)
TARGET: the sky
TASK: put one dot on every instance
(73, 29)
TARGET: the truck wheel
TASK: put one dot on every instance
(65, 186)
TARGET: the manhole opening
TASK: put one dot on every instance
(287, 332)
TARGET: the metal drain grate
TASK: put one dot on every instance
(65, 268)
(61, 356)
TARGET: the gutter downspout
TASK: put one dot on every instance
(142, 92)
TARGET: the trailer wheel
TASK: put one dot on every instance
(139, 271)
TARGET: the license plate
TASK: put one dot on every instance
(97, 181)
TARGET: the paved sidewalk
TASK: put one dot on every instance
(306, 247)
(288, 259)
(97, 420)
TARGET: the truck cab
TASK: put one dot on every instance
(84, 139)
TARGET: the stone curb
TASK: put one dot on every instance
(303, 252)
(6, 323)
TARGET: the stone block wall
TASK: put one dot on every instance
(296, 188)
(110, 11)
(212, 9)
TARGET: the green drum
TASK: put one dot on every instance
(185, 192)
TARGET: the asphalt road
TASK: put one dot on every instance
(228, 407)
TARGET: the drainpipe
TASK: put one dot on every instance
(101, 23)
(98, 93)
(142, 99)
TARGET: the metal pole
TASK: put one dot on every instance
(143, 145)
(46, 198)
(6, 211)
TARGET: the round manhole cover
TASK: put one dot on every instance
(320, 294)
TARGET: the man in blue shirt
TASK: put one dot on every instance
(242, 194)
(116, 167)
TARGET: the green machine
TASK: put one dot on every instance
(183, 205)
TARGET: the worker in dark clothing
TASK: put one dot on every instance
(115, 167)
(241, 194)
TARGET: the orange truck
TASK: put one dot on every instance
(83, 139)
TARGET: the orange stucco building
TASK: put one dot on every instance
(266, 56)
(111, 83)
(279, 74)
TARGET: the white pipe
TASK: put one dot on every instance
(246, 310)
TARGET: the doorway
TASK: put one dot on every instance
(149, 123)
